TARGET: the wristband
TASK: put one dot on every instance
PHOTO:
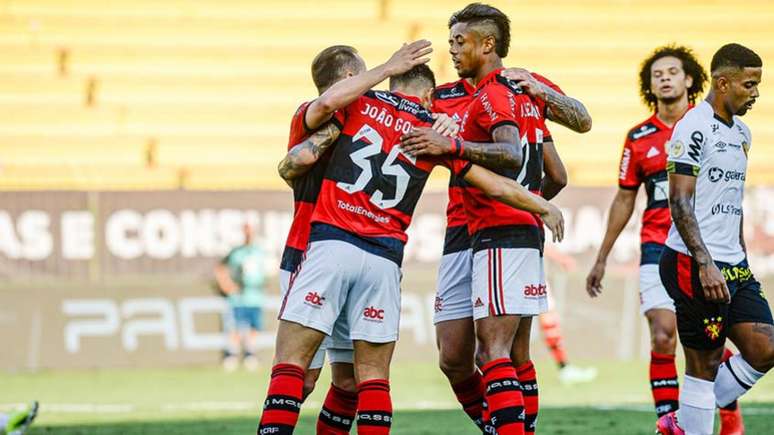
(454, 146)
(460, 147)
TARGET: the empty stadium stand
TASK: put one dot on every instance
(148, 94)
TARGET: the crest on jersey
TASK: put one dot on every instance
(677, 149)
(387, 98)
(713, 327)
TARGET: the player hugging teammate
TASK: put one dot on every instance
(358, 160)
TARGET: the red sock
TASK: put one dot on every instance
(338, 412)
(529, 389)
(503, 396)
(726, 355)
(283, 401)
(374, 407)
(663, 383)
(549, 324)
(470, 394)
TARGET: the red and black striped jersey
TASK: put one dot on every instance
(453, 99)
(305, 191)
(643, 161)
(498, 102)
(371, 187)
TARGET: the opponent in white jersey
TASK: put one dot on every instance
(704, 266)
(713, 150)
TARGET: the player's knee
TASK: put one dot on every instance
(664, 341)
(762, 360)
(310, 381)
(485, 354)
(343, 377)
(455, 365)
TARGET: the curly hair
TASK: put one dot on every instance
(691, 66)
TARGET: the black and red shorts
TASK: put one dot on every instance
(702, 324)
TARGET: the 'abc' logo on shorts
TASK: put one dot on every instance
(535, 291)
(373, 313)
(314, 299)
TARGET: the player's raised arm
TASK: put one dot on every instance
(348, 90)
(682, 189)
(503, 153)
(300, 159)
(555, 178)
(514, 194)
(561, 108)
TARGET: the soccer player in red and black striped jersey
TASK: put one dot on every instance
(508, 280)
(671, 79)
(453, 315)
(340, 77)
(352, 265)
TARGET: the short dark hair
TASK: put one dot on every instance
(328, 66)
(419, 74)
(691, 66)
(481, 14)
(735, 56)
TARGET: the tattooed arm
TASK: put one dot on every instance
(561, 108)
(503, 153)
(566, 111)
(681, 196)
(300, 159)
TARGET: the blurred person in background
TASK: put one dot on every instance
(240, 276)
(16, 423)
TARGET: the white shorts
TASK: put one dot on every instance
(653, 295)
(339, 278)
(338, 346)
(452, 298)
(508, 281)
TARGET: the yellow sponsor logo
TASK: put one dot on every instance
(736, 273)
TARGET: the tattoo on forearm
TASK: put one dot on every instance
(688, 227)
(304, 155)
(567, 111)
(503, 153)
(493, 156)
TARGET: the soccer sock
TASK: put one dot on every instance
(549, 324)
(283, 401)
(734, 378)
(529, 389)
(503, 396)
(374, 407)
(697, 406)
(663, 383)
(470, 394)
(338, 412)
(3, 421)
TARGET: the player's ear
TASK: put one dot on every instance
(688, 81)
(488, 44)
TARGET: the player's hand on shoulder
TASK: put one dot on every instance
(713, 284)
(526, 81)
(408, 56)
(445, 124)
(594, 279)
(554, 220)
(424, 141)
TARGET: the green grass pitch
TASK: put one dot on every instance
(208, 401)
